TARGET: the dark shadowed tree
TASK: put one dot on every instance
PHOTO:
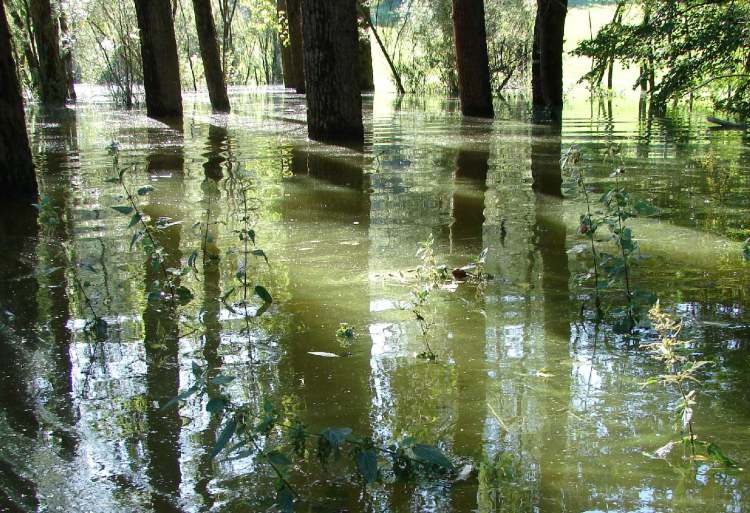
(547, 60)
(161, 70)
(334, 102)
(294, 16)
(53, 83)
(204, 24)
(17, 176)
(470, 37)
(366, 76)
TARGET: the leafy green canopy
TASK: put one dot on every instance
(699, 47)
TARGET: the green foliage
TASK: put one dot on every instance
(683, 48)
(611, 270)
(419, 34)
(680, 373)
(281, 440)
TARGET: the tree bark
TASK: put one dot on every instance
(547, 78)
(366, 77)
(17, 177)
(204, 24)
(294, 14)
(67, 52)
(285, 44)
(470, 38)
(161, 70)
(53, 90)
(334, 102)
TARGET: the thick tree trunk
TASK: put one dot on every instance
(53, 90)
(548, 38)
(204, 24)
(285, 43)
(366, 77)
(17, 177)
(470, 38)
(67, 52)
(294, 14)
(334, 102)
(161, 70)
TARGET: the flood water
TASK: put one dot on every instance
(549, 409)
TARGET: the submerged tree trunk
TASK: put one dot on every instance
(294, 15)
(53, 85)
(334, 102)
(204, 24)
(17, 177)
(285, 43)
(470, 38)
(161, 70)
(548, 39)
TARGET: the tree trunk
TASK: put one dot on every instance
(537, 99)
(17, 177)
(67, 52)
(470, 38)
(53, 90)
(294, 13)
(161, 70)
(334, 102)
(366, 78)
(549, 31)
(285, 43)
(204, 24)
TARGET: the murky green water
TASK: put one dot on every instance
(551, 411)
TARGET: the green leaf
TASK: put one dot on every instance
(431, 455)
(224, 437)
(142, 191)
(261, 253)
(336, 436)
(251, 235)
(717, 454)
(180, 397)
(645, 209)
(123, 209)
(367, 464)
(216, 405)
(221, 380)
(134, 220)
(184, 295)
(278, 458)
(263, 294)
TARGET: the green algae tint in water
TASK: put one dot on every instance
(550, 411)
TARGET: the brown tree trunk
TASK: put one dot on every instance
(67, 52)
(366, 77)
(285, 43)
(204, 24)
(294, 14)
(470, 38)
(549, 31)
(17, 177)
(53, 90)
(334, 102)
(161, 70)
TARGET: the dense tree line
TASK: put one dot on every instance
(323, 50)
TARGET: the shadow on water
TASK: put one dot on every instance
(161, 330)
(18, 340)
(330, 391)
(546, 147)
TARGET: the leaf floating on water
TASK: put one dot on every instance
(324, 354)
(432, 455)
(142, 191)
